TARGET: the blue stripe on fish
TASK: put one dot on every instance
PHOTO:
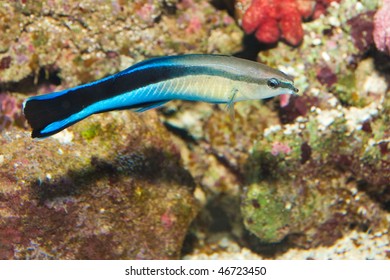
(151, 83)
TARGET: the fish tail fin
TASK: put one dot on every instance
(49, 114)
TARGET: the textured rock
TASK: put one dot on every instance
(52, 45)
(316, 169)
(83, 41)
(102, 190)
(326, 171)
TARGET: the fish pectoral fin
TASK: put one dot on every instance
(230, 108)
(149, 105)
(230, 104)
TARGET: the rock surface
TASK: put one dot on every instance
(102, 190)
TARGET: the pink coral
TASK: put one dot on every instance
(280, 148)
(382, 28)
(272, 19)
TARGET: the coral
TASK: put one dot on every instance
(272, 19)
(382, 28)
(280, 148)
(346, 30)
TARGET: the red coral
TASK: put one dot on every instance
(272, 19)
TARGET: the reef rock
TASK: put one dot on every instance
(85, 41)
(330, 176)
(103, 189)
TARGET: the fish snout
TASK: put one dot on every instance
(295, 91)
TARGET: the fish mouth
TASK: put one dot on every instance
(294, 90)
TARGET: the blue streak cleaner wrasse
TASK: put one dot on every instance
(152, 83)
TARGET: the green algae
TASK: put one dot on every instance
(347, 92)
(39, 38)
(91, 132)
(268, 223)
(272, 214)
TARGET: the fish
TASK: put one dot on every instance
(152, 83)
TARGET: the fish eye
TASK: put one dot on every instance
(273, 83)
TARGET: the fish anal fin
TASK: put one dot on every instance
(149, 105)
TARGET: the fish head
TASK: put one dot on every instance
(277, 85)
(270, 82)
